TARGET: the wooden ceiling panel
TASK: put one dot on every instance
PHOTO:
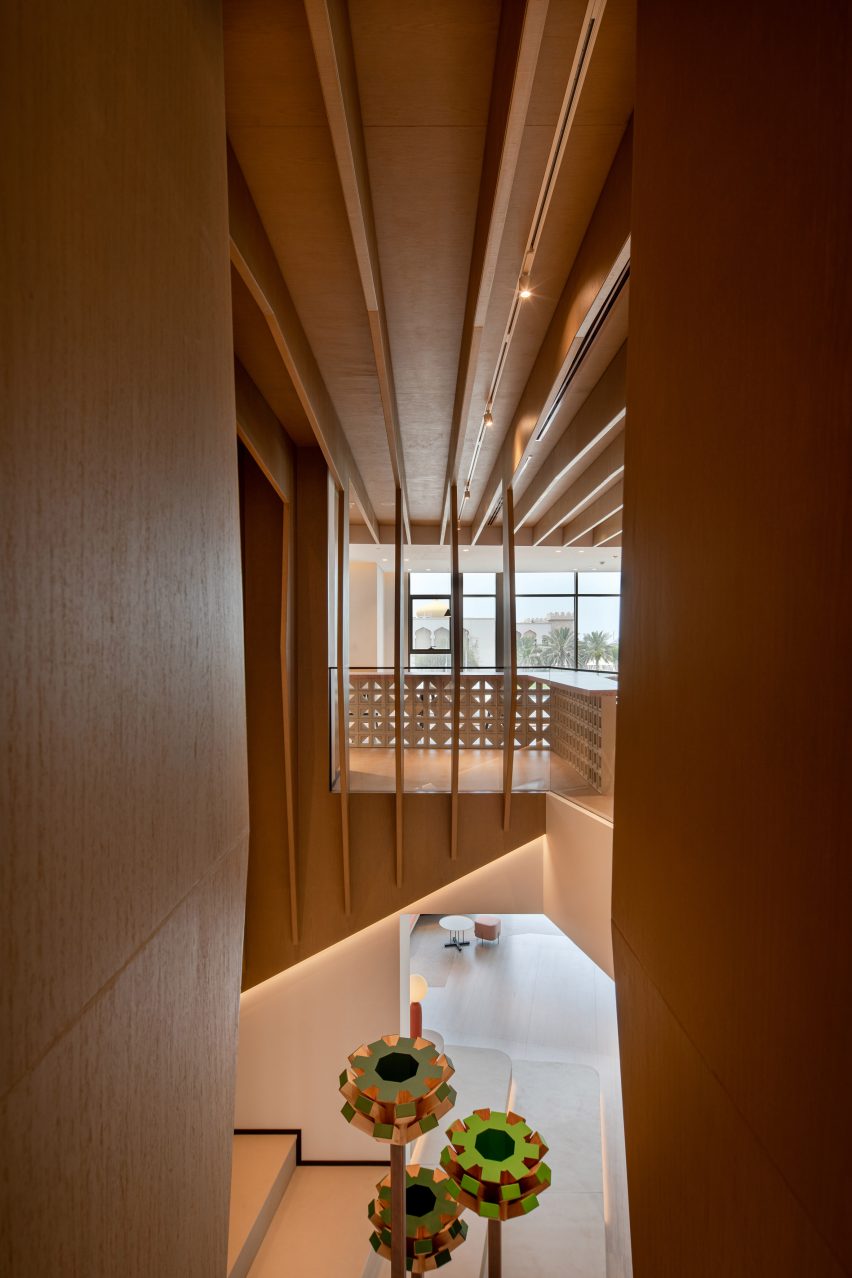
(425, 64)
(601, 117)
(424, 134)
(424, 77)
(269, 80)
(259, 356)
(278, 129)
(425, 184)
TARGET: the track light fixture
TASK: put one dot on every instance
(487, 419)
(524, 287)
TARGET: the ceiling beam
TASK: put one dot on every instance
(600, 415)
(262, 434)
(519, 42)
(604, 533)
(254, 259)
(595, 480)
(335, 58)
(592, 516)
(601, 262)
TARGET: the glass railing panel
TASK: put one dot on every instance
(554, 730)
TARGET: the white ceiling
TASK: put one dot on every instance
(490, 558)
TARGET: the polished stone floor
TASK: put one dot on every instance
(537, 997)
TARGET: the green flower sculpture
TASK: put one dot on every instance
(496, 1160)
(397, 1088)
(432, 1225)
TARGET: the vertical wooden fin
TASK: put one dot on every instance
(457, 658)
(510, 651)
(343, 682)
(398, 1178)
(399, 677)
(286, 552)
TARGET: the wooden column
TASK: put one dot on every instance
(495, 1249)
(399, 678)
(397, 1162)
(457, 657)
(510, 651)
(343, 683)
(286, 552)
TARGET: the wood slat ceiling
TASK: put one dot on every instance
(425, 77)
(425, 73)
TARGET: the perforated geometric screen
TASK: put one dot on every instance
(547, 716)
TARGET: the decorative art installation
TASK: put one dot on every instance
(395, 1090)
(497, 1161)
(432, 1225)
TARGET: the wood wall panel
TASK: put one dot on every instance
(267, 887)
(426, 819)
(116, 1145)
(690, 1139)
(124, 778)
(732, 823)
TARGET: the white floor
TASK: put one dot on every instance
(537, 997)
(539, 1000)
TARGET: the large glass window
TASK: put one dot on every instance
(479, 619)
(598, 609)
(544, 619)
(429, 625)
(568, 620)
(430, 620)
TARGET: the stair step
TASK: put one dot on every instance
(261, 1168)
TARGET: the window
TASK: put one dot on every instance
(429, 629)
(598, 609)
(568, 620)
(545, 611)
(430, 620)
(479, 619)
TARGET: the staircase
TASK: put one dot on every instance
(288, 1218)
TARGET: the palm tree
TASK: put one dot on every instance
(557, 647)
(596, 647)
(528, 650)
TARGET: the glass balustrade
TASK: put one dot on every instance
(563, 730)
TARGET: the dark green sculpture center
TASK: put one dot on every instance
(396, 1067)
(496, 1146)
(419, 1200)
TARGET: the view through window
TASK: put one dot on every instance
(430, 620)
(566, 620)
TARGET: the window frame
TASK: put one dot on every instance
(575, 595)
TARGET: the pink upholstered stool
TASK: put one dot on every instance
(486, 928)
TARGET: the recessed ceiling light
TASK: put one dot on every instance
(384, 559)
(581, 552)
(487, 419)
(465, 549)
(524, 289)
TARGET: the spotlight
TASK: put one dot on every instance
(524, 289)
(487, 419)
